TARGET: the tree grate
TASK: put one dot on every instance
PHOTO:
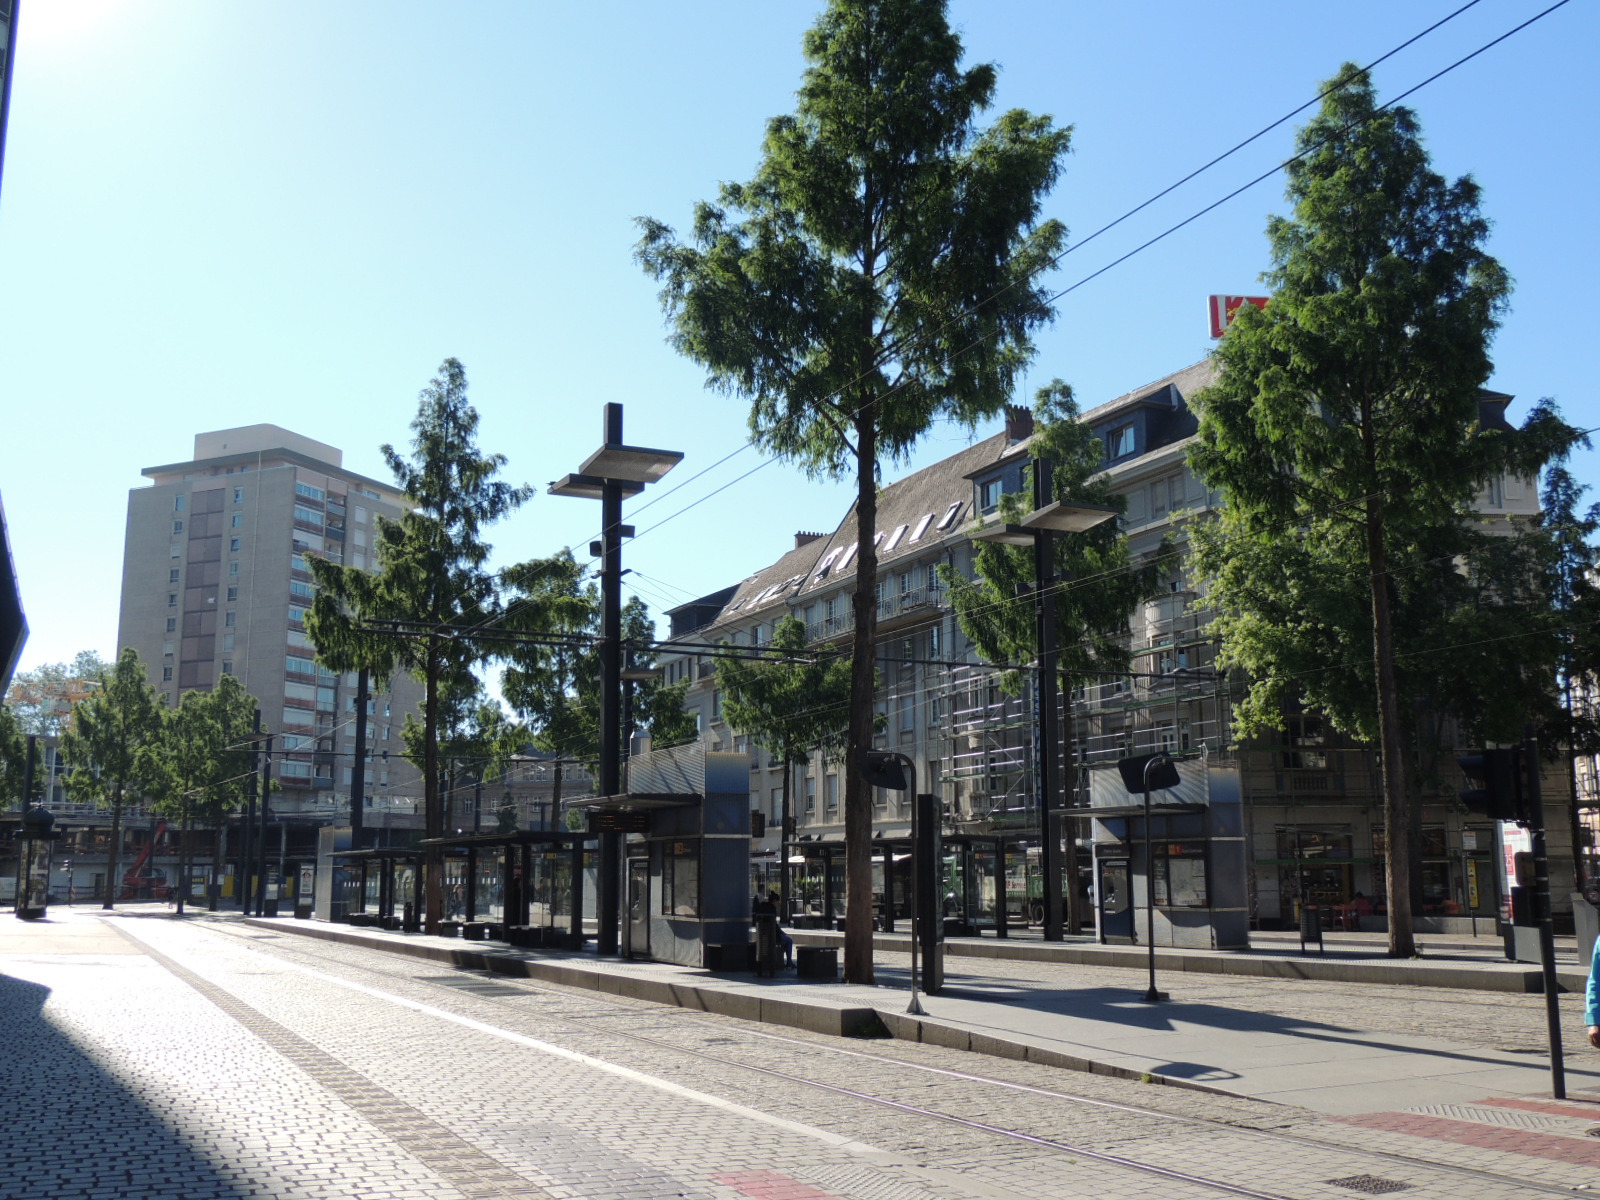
(1370, 1184)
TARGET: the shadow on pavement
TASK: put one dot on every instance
(74, 1130)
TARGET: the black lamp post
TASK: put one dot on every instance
(1038, 530)
(1146, 773)
(610, 475)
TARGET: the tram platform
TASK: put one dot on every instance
(1077, 1005)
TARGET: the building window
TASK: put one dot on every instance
(233, 568)
(811, 795)
(233, 594)
(177, 549)
(177, 527)
(832, 794)
(308, 516)
(233, 545)
(172, 599)
(311, 493)
(172, 575)
(238, 498)
(238, 520)
(178, 502)
(989, 495)
(227, 667)
(230, 619)
(166, 674)
(172, 624)
(1119, 442)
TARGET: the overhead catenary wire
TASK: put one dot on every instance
(1170, 229)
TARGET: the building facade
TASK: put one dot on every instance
(1310, 802)
(215, 582)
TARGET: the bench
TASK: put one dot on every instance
(816, 962)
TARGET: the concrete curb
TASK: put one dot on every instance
(1417, 972)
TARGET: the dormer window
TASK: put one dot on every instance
(949, 516)
(1119, 442)
(989, 495)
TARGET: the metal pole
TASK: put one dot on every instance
(247, 824)
(608, 905)
(915, 1007)
(1541, 892)
(1047, 692)
(261, 832)
(1151, 994)
(358, 773)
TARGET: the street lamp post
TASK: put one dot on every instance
(1038, 530)
(610, 475)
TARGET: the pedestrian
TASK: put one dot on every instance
(785, 942)
(1591, 1005)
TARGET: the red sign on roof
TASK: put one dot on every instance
(1223, 309)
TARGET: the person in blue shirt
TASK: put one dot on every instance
(1591, 1004)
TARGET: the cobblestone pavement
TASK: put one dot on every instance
(222, 1061)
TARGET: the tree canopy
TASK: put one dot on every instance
(879, 272)
(1349, 434)
(432, 590)
(109, 747)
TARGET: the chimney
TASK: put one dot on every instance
(1019, 424)
(802, 538)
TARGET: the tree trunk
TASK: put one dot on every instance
(185, 869)
(116, 843)
(858, 966)
(1396, 806)
(218, 849)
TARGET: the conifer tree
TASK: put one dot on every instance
(879, 273)
(432, 590)
(1344, 433)
(1099, 583)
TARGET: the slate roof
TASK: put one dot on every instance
(1186, 382)
(916, 513)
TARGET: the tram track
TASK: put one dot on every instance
(495, 988)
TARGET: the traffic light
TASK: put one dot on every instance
(1494, 779)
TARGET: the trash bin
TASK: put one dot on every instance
(1311, 928)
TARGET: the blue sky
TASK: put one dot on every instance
(216, 214)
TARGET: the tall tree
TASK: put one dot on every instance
(1100, 585)
(431, 578)
(1575, 600)
(879, 273)
(789, 707)
(1344, 426)
(200, 767)
(107, 747)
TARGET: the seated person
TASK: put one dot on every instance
(785, 942)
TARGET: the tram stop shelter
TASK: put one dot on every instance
(685, 819)
(380, 887)
(525, 886)
(1192, 854)
(975, 882)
